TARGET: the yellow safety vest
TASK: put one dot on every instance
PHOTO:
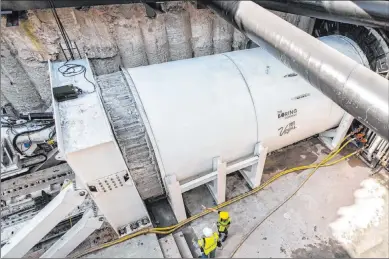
(223, 224)
(208, 244)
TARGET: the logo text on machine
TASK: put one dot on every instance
(287, 114)
(285, 130)
(301, 96)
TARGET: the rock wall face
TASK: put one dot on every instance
(110, 36)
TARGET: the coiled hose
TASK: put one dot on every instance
(171, 229)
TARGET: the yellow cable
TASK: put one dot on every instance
(329, 157)
(171, 229)
(66, 185)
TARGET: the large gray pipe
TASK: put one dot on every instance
(365, 13)
(359, 91)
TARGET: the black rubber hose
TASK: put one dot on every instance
(37, 116)
(28, 132)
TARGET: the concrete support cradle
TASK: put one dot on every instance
(251, 168)
(175, 197)
(218, 187)
(253, 173)
(331, 138)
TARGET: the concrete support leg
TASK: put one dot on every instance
(253, 174)
(331, 138)
(175, 197)
(43, 222)
(257, 169)
(75, 236)
(218, 186)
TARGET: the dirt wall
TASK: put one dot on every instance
(110, 36)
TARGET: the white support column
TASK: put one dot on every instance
(342, 129)
(67, 200)
(331, 138)
(257, 169)
(218, 187)
(253, 174)
(175, 197)
(221, 168)
(77, 234)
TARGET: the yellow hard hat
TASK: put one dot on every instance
(224, 215)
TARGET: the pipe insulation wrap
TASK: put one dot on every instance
(355, 88)
(222, 105)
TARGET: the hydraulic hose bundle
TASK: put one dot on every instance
(168, 230)
(31, 120)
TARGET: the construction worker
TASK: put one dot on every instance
(208, 243)
(223, 223)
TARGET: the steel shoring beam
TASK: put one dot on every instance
(365, 13)
(355, 88)
(31, 5)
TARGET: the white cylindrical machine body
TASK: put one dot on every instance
(222, 105)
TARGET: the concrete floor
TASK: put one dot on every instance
(314, 222)
(340, 212)
(140, 247)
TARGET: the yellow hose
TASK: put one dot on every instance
(326, 159)
(66, 185)
(171, 229)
